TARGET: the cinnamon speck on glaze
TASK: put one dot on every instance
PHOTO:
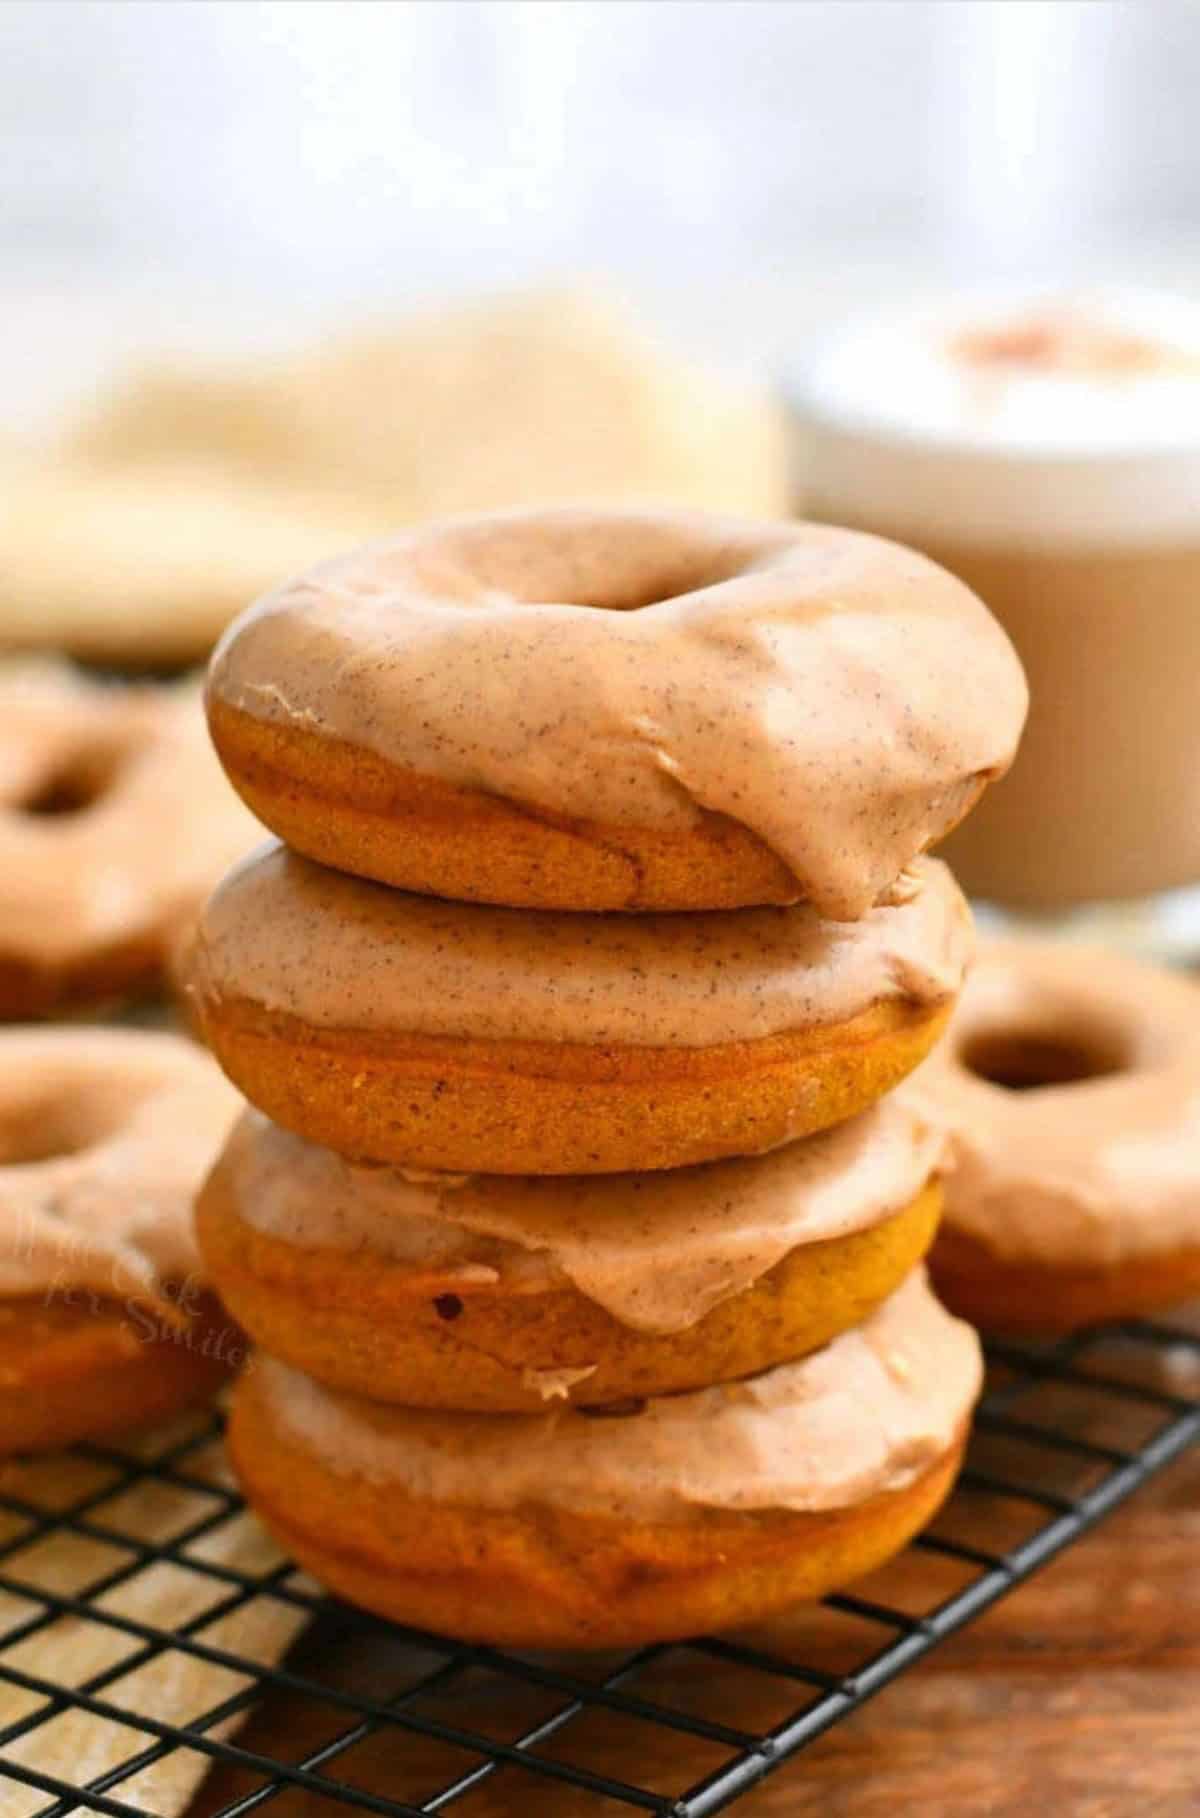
(840, 697)
(339, 953)
(656, 1251)
(865, 1415)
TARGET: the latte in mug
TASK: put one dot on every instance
(1049, 454)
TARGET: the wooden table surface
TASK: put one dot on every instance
(1076, 1697)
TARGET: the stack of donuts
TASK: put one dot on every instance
(575, 1216)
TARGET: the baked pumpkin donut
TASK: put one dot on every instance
(619, 709)
(456, 1036)
(115, 823)
(1070, 1085)
(645, 1521)
(498, 1293)
(106, 1320)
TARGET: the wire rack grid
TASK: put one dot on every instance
(401, 1723)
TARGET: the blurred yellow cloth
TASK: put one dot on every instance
(186, 495)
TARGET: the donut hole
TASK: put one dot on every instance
(615, 562)
(48, 1126)
(663, 582)
(74, 787)
(1024, 1060)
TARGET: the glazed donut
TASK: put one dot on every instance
(729, 713)
(641, 1522)
(115, 823)
(398, 1028)
(1070, 1082)
(106, 1321)
(498, 1293)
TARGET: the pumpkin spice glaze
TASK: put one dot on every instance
(598, 710)
(1069, 1085)
(502, 1292)
(577, 1528)
(115, 823)
(106, 1318)
(397, 1028)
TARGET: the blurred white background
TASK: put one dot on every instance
(193, 166)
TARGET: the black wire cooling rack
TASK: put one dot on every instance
(366, 1717)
